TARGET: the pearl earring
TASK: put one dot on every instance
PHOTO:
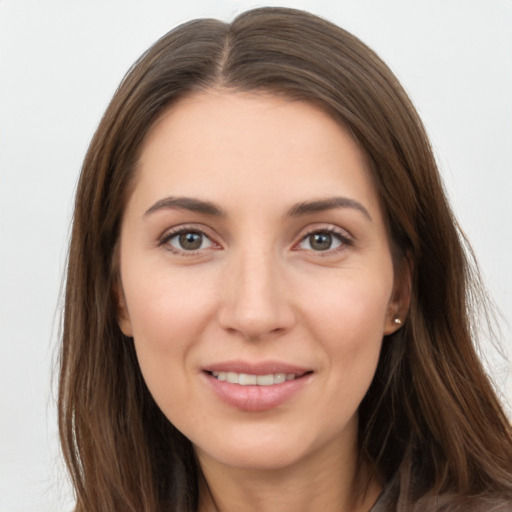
(397, 321)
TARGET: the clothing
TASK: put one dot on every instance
(405, 492)
(396, 497)
(387, 497)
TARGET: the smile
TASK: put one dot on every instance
(255, 388)
(246, 379)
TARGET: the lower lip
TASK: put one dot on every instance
(256, 398)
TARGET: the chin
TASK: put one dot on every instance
(278, 448)
(255, 458)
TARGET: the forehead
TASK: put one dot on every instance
(251, 144)
(251, 119)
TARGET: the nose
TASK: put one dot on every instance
(255, 298)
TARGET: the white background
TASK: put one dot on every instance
(60, 62)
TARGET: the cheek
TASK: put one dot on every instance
(168, 313)
(168, 317)
(351, 302)
(166, 309)
(349, 316)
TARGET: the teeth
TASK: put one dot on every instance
(246, 379)
(279, 378)
(232, 377)
(265, 380)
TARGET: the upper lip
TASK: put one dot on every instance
(261, 368)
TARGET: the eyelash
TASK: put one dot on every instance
(182, 230)
(342, 237)
(345, 241)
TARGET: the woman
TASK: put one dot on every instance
(267, 302)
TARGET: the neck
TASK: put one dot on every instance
(329, 482)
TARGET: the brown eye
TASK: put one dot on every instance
(189, 241)
(321, 241)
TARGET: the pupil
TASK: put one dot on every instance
(321, 241)
(190, 241)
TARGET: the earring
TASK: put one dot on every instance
(397, 321)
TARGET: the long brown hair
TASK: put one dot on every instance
(430, 406)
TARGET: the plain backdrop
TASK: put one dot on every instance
(60, 62)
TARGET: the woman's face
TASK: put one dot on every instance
(256, 278)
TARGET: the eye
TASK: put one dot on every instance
(320, 241)
(188, 240)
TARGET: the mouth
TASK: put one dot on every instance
(248, 379)
(256, 388)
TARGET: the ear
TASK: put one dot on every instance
(123, 317)
(401, 298)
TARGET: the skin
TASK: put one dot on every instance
(259, 289)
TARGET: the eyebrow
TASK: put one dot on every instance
(186, 203)
(298, 210)
(330, 203)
